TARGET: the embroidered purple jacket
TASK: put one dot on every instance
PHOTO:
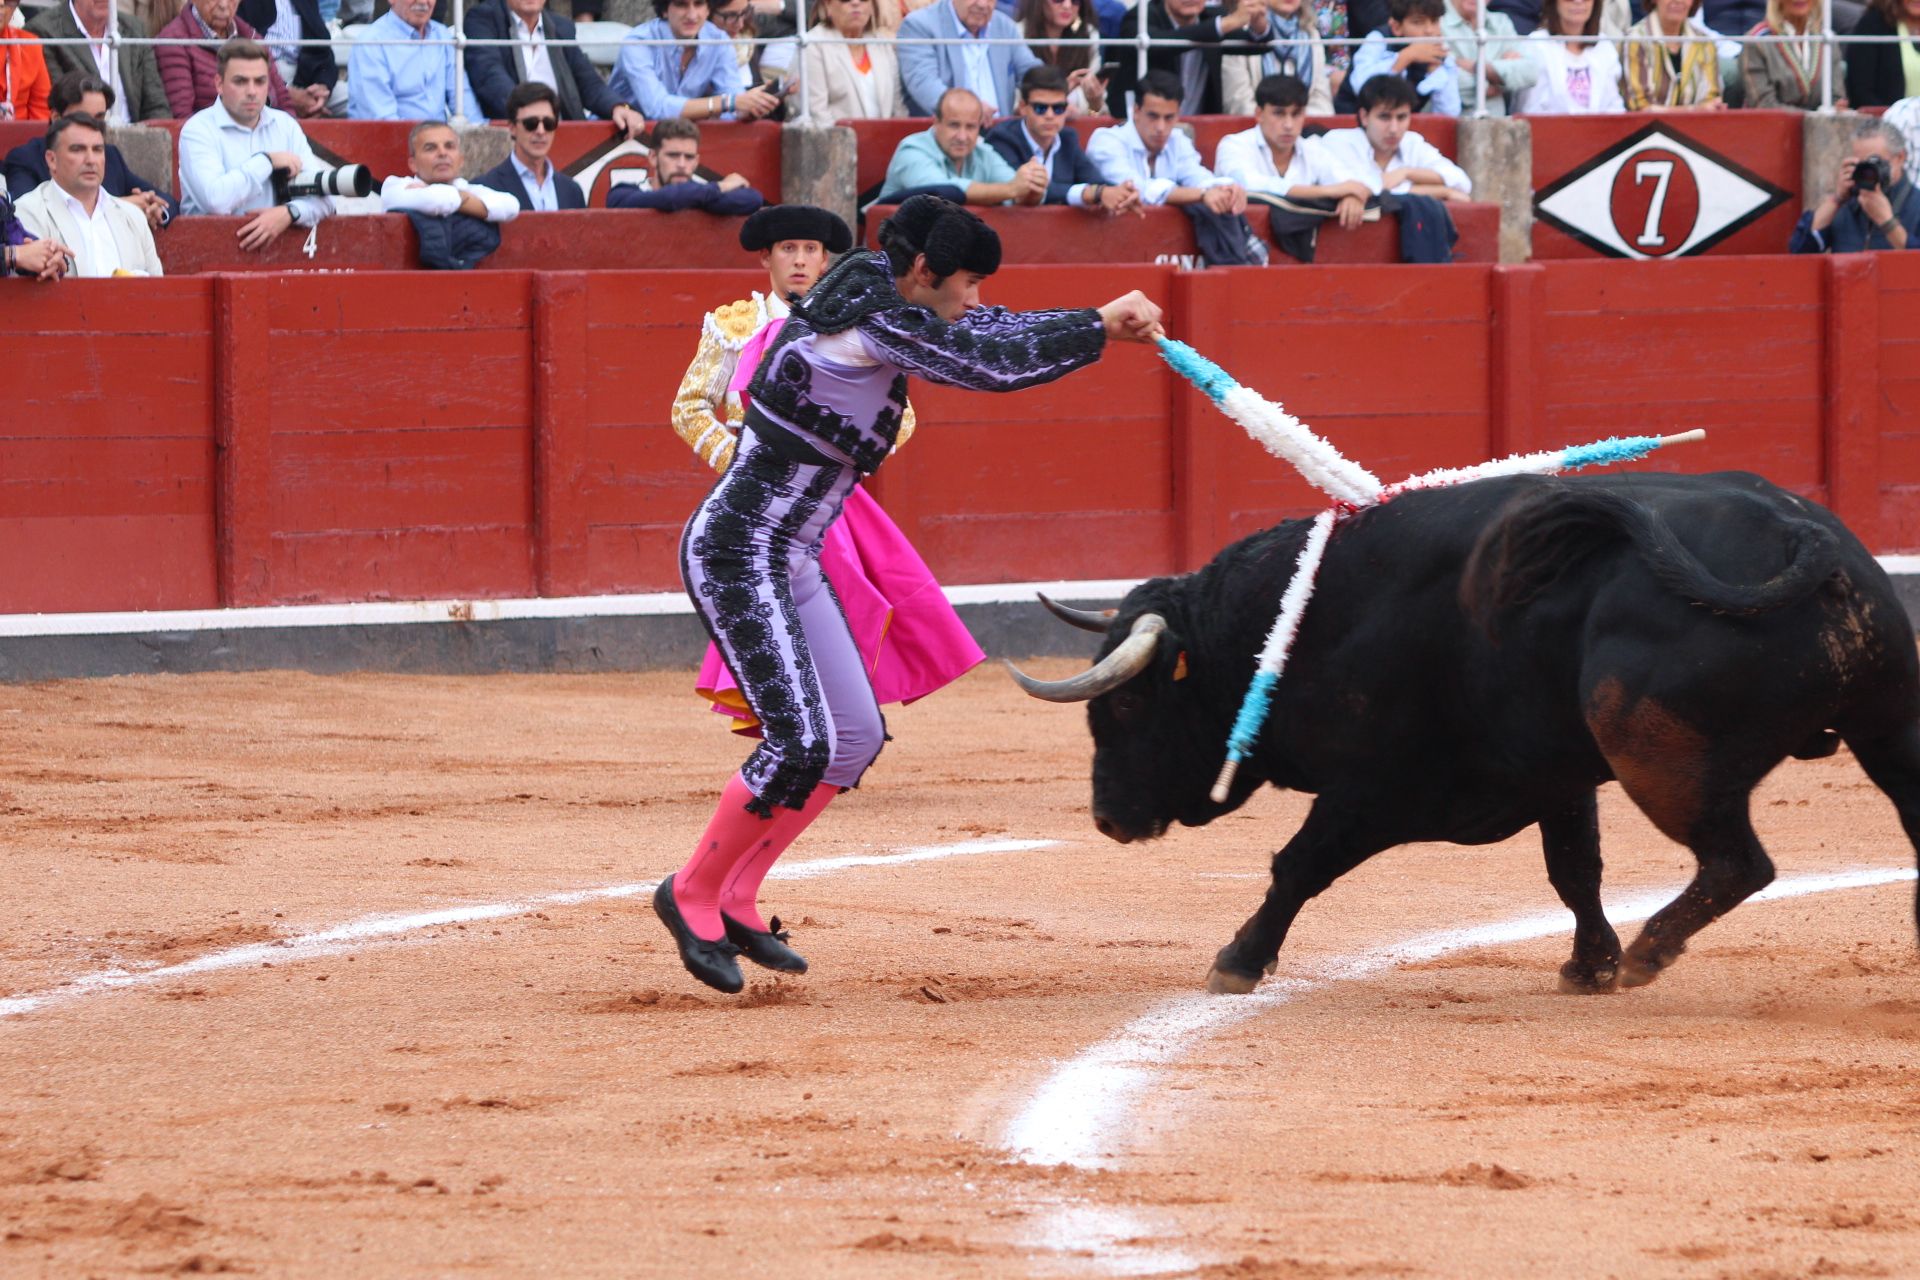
(815, 382)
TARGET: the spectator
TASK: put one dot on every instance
(23, 255)
(1510, 65)
(699, 79)
(134, 75)
(230, 152)
(191, 72)
(1526, 15)
(535, 58)
(23, 70)
(1879, 75)
(1196, 71)
(1040, 133)
(1273, 159)
(948, 161)
(1046, 22)
(1880, 212)
(1158, 159)
(527, 174)
(850, 82)
(150, 14)
(1385, 155)
(311, 71)
(436, 189)
(107, 235)
(1904, 115)
(1409, 49)
(1296, 51)
(677, 181)
(418, 79)
(1330, 16)
(1671, 61)
(1787, 74)
(989, 71)
(743, 22)
(87, 94)
(1580, 77)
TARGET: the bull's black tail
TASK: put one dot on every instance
(1548, 533)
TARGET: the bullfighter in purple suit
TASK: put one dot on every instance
(825, 407)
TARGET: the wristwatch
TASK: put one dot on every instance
(1886, 228)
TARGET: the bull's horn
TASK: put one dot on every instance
(1085, 619)
(1112, 671)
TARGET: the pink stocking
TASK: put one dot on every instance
(732, 834)
(742, 886)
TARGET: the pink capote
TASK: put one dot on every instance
(912, 640)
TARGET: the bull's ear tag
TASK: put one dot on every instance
(1180, 666)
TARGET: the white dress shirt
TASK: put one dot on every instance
(974, 57)
(108, 66)
(404, 193)
(1247, 159)
(1352, 157)
(224, 167)
(96, 254)
(531, 48)
(1120, 154)
(545, 195)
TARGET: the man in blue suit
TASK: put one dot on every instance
(990, 70)
(1040, 130)
(535, 57)
(85, 92)
(528, 173)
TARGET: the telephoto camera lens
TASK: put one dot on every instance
(347, 180)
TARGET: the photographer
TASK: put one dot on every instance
(1873, 206)
(231, 152)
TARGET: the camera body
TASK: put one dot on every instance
(1872, 174)
(347, 180)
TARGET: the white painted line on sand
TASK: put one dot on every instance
(369, 929)
(1079, 1111)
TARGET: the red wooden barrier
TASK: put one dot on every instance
(585, 240)
(1666, 183)
(251, 439)
(1053, 234)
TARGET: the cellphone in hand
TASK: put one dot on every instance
(1107, 71)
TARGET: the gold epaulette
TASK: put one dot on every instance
(734, 323)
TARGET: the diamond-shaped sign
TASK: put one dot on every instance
(1656, 194)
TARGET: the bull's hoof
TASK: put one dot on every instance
(1643, 963)
(1225, 982)
(1576, 980)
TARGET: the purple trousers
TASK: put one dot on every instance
(750, 559)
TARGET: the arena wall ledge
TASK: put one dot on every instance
(249, 441)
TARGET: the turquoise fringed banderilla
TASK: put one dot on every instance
(1197, 369)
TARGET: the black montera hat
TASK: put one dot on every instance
(776, 222)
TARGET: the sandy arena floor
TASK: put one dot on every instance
(542, 1091)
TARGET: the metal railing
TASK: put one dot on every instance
(1828, 40)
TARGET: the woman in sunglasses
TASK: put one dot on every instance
(850, 81)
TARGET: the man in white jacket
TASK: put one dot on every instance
(106, 234)
(1273, 159)
(436, 187)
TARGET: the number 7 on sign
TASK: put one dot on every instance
(1661, 171)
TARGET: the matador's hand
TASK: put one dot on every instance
(1132, 317)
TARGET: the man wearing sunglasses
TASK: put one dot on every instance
(1039, 132)
(527, 174)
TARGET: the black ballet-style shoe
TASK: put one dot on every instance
(767, 948)
(711, 962)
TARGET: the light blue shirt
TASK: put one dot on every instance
(649, 76)
(404, 82)
(919, 162)
(224, 167)
(546, 199)
(1441, 87)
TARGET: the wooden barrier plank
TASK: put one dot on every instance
(346, 481)
(49, 477)
(1853, 392)
(243, 409)
(379, 382)
(1517, 365)
(426, 302)
(561, 375)
(82, 563)
(476, 561)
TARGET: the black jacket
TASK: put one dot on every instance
(504, 177)
(1875, 77)
(27, 168)
(316, 64)
(495, 70)
(1073, 166)
(1160, 26)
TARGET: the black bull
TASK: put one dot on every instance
(1479, 659)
